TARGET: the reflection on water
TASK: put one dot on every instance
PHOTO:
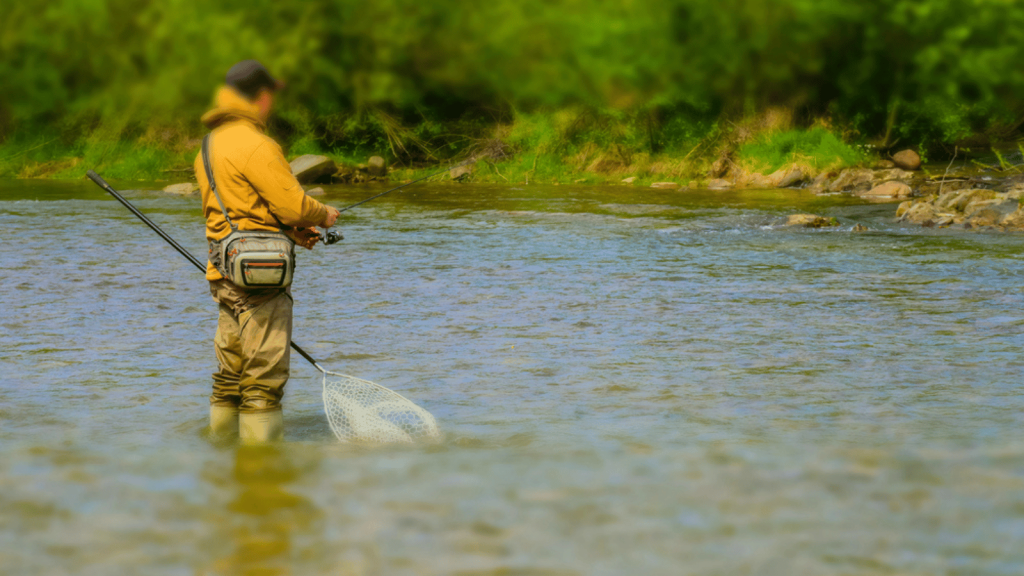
(629, 382)
(264, 520)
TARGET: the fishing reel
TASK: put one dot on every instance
(332, 237)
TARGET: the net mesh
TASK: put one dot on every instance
(361, 411)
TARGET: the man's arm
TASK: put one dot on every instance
(270, 174)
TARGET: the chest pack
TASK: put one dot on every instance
(249, 258)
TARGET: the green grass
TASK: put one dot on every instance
(568, 146)
(816, 147)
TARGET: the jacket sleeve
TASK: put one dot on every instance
(269, 173)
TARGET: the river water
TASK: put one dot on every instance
(629, 382)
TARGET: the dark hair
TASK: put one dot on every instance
(248, 77)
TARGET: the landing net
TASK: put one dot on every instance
(361, 411)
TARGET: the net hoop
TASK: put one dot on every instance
(366, 412)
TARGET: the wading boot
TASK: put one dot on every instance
(261, 427)
(223, 421)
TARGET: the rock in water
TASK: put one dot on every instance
(859, 228)
(184, 189)
(907, 160)
(786, 177)
(310, 168)
(719, 184)
(629, 180)
(852, 179)
(318, 191)
(921, 213)
(666, 185)
(810, 221)
(888, 190)
(375, 167)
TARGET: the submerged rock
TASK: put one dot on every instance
(888, 191)
(183, 189)
(318, 191)
(907, 159)
(719, 184)
(309, 168)
(859, 228)
(810, 221)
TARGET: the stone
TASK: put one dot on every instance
(982, 212)
(810, 221)
(318, 191)
(719, 184)
(820, 183)
(922, 213)
(665, 185)
(781, 178)
(853, 179)
(629, 180)
(786, 177)
(884, 164)
(944, 201)
(903, 207)
(1015, 193)
(310, 168)
(859, 228)
(1014, 220)
(983, 218)
(692, 185)
(376, 167)
(888, 190)
(966, 197)
(461, 173)
(882, 176)
(907, 160)
(183, 189)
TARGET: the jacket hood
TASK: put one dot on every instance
(230, 105)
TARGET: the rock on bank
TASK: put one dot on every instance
(972, 208)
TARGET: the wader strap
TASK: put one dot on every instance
(213, 183)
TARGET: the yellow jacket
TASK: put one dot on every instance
(253, 178)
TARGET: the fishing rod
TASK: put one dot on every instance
(181, 250)
(332, 237)
(470, 161)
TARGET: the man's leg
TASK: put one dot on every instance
(226, 396)
(266, 332)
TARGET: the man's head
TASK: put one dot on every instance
(251, 79)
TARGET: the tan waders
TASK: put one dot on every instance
(252, 346)
(223, 421)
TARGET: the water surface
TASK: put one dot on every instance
(630, 382)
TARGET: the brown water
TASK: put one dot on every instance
(629, 383)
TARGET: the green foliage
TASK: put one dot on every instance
(423, 81)
(817, 147)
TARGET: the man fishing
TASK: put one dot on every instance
(253, 190)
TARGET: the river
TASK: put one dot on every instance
(629, 381)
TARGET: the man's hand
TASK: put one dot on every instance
(306, 237)
(332, 217)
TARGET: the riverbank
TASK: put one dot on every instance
(577, 146)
